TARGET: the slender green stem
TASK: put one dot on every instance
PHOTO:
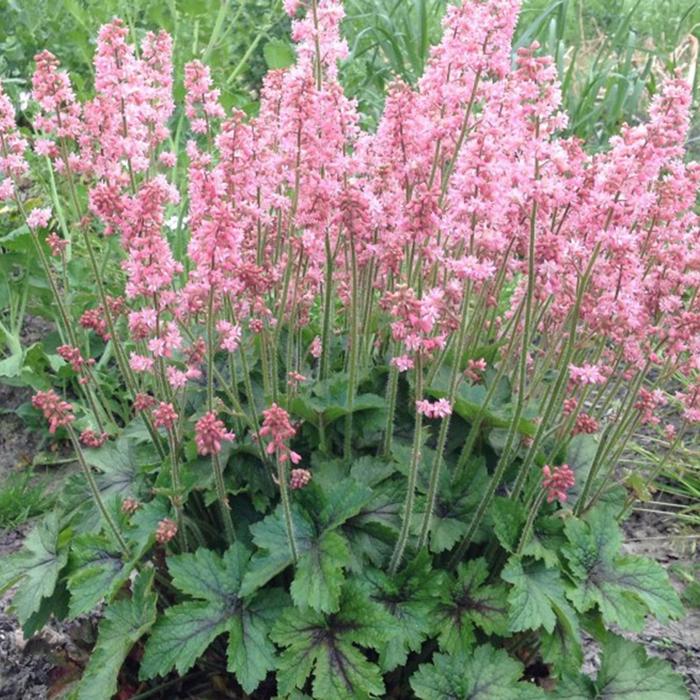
(286, 506)
(532, 514)
(409, 502)
(223, 500)
(97, 497)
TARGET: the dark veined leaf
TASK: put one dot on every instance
(35, 568)
(372, 532)
(624, 588)
(626, 672)
(457, 498)
(471, 603)
(508, 518)
(411, 597)
(125, 622)
(537, 596)
(183, 634)
(98, 572)
(322, 551)
(329, 647)
(330, 400)
(485, 674)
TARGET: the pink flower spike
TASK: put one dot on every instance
(59, 413)
(557, 481)
(166, 530)
(298, 478)
(586, 374)
(38, 218)
(210, 432)
(164, 415)
(438, 409)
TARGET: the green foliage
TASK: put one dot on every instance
(304, 602)
(181, 636)
(22, 496)
(485, 674)
(624, 588)
(329, 647)
(625, 672)
(125, 621)
(35, 569)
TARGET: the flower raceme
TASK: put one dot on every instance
(467, 238)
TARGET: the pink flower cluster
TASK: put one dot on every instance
(436, 409)
(466, 205)
(210, 432)
(557, 481)
(57, 412)
(278, 429)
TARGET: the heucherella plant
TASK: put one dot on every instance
(348, 406)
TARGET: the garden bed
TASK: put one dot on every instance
(30, 669)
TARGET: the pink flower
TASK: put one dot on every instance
(586, 374)
(298, 478)
(59, 413)
(130, 506)
(475, 370)
(143, 402)
(56, 244)
(316, 348)
(164, 415)
(38, 218)
(277, 427)
(166, 530)
(438, 409)
(140, 363)
(210, 432)
(557, 481)
(90, 438)
(230, 335)
(403, 363)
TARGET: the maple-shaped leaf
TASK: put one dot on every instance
(457, 498)
(624, 588)
(35, 568)
(330, 646)
(98, 572)
(471, 603)
(411, 597)
(373, 530)
(125, 621)
(484, 674)
(537, 597)
(626, 673)
(322, 550)
(183, 634)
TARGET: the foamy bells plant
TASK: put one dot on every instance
(347, 405)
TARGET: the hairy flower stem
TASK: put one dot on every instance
(557, 394)
(119, 352)
(177, 487)
(96, 496)
(478, 419)
(326, 332)
(532, 514)
(223, 501)
(513, 429)
(282, 478)
(455, 378)
(392, 391)
(354, 342)
(67, 323)
(409, 502)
